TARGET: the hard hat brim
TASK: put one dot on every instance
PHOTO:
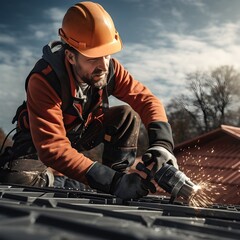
(103, 50)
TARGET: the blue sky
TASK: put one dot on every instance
(163, 40)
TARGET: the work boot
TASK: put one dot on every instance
(29, 172)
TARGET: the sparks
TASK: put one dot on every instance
(203, 195)
(206, 190)
(196, 188)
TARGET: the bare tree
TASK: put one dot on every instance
(225, 91)
(183, 125)
(213, 100)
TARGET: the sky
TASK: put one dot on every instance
(163, 41)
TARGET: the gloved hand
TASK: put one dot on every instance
(132, 186)
(124, 186)
(159, 155)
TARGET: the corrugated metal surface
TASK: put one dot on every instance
(60, 214)
(215, 158)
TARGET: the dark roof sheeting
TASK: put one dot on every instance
(48, 213)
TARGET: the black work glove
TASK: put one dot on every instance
(132, 185)
(161, 145)
(124, 186)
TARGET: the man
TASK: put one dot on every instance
(67, 109)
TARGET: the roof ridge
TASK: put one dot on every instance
(231, 129)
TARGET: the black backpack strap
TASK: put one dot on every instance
(53, 54)
(59, 80)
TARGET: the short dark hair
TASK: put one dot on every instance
(68, 47)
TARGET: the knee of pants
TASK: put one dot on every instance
(122, 125)
(125, 111)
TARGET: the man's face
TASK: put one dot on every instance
(92, 71)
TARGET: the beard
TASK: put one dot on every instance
(98, 79)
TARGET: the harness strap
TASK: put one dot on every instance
(53, 55)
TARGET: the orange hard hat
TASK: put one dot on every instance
(89, 29)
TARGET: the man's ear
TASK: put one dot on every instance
(70, 57)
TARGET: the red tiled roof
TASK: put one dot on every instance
(214, 157)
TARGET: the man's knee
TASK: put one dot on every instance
(122, 123)
(125, 112)
(121, 137)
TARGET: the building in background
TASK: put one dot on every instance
(213, 159)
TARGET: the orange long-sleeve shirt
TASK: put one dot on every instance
(47, 120)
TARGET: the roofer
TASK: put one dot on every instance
(67, 109)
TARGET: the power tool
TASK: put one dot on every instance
(171, 180)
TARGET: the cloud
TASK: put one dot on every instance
(14, 69)
(221, 36)
(199, 3)
(160, 60)
(176, 13)
(55, 14)
(163, 68)
(7, 39)
(49, 28)
(18, 58)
